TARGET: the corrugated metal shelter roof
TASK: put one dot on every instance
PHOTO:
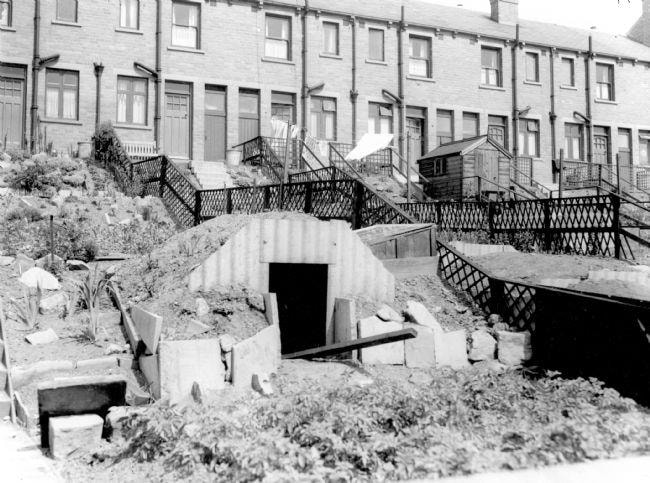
(461, 147)
(464, 20)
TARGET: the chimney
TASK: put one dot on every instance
(640, 31)
(507, 11)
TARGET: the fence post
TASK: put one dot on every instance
(163, 175)
(197, 207)
(267, 197)
(497, 299)
(547, 224)
(491, 214)
(438, 219)
(357, 206)
(308, 197)
(561, 183)
(229, 200)
(616, 205)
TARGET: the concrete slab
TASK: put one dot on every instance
(514, 348)
(452, 352)
(345, 323)
(392, 353)
(421, 351)
(22, 460)
(182, 363)
(74, 435)
(149, 327)
(260, 354)
(78, 395)
(43, 337)
(151, 371)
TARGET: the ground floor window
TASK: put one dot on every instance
(131, 100)
(61, 94)
(322, 118)
(283, 107)
(573, 135)
(249, 114)
(380, 118)
(644, 147)
(529, 137)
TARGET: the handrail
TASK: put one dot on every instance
(356, 173)
(268, 164)
(313, 154)
(484, 180)
(533, 182)
(633, 237)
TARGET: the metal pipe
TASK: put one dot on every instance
(99, 69)
(588, 101)
(401, 83)
(158, 76)
(515, 107)
(354, 94)
(553, 115)
(305, 70)
(36, 61)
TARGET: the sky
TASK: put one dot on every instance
(616, 16)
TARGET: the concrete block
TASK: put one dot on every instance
(183, 363)
(418, 314)
(388, 314)
(345, 323)
(151, 371)
(260, 354)
(202, 307)
(514, 348)
(74, 435)
(149, 327)
(43, 337)
(262, 384)
(78, 395)
(421, 351)
(36, 276)
(392, 353)
(55, 304)
(452, 352)
(482, 346)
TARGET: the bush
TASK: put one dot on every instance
(28, 213)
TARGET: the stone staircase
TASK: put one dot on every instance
(211, 174)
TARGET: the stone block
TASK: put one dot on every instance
(392, 353)
(482, 346)
(202, 307)
(194, 327)
(43, 337)
(514, 347)
(227, 342)
(262, 384)
(452, 352)
(74, 435)
(260, 354)
(73, 396)
(36, 276)
(149, 327)
(151, 371)
(418, 314)
(53, 305)
(24, 263)
(421, 351)
(388, 314)
(182, 363)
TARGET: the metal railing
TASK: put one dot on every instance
(377, 163)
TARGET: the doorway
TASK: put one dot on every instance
(177, 119)
(12, 93)
(215, 124)
(301, 291)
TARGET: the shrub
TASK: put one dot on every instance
(91, 289)
(28, 213)
(27, 308)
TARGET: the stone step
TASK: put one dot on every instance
(5, 404)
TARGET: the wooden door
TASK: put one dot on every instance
(177, 125)
(215, 124)
(601, 149)
(11, 112)
(415, 129)
(487, 167)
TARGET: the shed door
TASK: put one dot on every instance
(487, 167)
(11, 111)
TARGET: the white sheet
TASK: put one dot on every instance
(369, 144)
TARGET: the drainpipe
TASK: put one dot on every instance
(99, 69)
(158, 77)
(401, 84)
(36, 61)
(305, 71)
(515, 107)
(590, 143)
(354, 94)
(552, 114)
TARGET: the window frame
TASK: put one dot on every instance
(572, 71)
(504, 126)
(450, 135)
(379, 106)
(475, 117)
(383, 44)
(581, 137)
(324, 112)
(288, 40)
(198, 24)
(499, 69)
(611, 82)
(10, 10)
(137, 20)
(644, 139)
(76, 11)
(428, 60)
(130, 97)
(337, 38)
(535, 56)
(292, 104)
(61, 88)
(525, 152)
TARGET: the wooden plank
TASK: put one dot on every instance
(333, 349)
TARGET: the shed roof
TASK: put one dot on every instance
(462, 147)
(464, 20)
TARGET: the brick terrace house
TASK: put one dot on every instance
(198, 77)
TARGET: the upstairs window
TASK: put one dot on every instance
(470, 125)
(605, 82)
(278, 37)
(5, 13)
(330, 38)
(532, 67)
(568, 72)
(380, 118)
(61, 94)
(529, 138)
(376, 45)
(66, 10)
(445, 127)
(131, 100)
(185, 24)
(130, 14)
(491, 66)
(573, 141)
(420, 56)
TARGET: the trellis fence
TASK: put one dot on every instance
(579, 334)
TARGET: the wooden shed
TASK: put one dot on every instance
(467, 169)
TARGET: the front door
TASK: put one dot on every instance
(624, 158)
(177, 125)
(415, 129)
(215, 124)
(11, 112)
